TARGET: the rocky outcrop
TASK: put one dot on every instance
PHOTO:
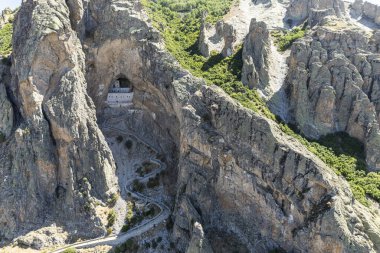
(367, 9)
(299, 10)
(220, 38)
(316, 17)
(198, 242)
(260, 185)
(203, 46)
(256, 56)
(229, 36)
(236, 171)
(6, 109)
(7, 15)
(56, 163)
(333, 87)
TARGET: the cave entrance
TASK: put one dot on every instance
(120, 93)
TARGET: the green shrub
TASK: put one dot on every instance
(154, 244)
(284, 40)
(346, 157)
(129, 144)
(169, 223)
(138, 186)
(153, 182)
(6, 39)
(2, 137)
(111, 218)
(119, 139)
(70, 250)
(113, 199)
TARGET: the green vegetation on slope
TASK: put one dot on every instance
(181, 30)
(345, 155)
(179, 23)
(284, 40)
(6, 39)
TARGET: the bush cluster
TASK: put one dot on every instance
(135, 216)
(112, 199)
(153, 182)
(284, 40)
(111, 218)
(137, 186)
(6, 39)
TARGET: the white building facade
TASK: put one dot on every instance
(119, 97)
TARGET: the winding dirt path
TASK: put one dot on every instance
(146, 225)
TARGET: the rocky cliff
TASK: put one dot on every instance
(239, 177)
(56, 161)
(333, 85)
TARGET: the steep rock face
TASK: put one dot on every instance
(237, 173)
(333, 86)
(299, 10)
(57, 160)
(261, 185)
(6, 109)
(256, 56)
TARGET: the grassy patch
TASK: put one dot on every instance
(6, 39)
(179, 27)
(181, 32)
(284, 40)
(70, 250)
(129, 144)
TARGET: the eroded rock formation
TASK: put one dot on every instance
(256, 56)
(56, 162)
(333, 86)
(366, 9)
(299, 10)
(237, 173)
